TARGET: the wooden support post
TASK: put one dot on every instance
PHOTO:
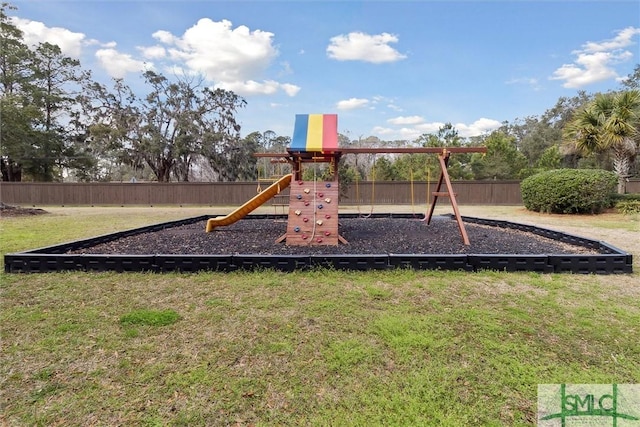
(443, 158)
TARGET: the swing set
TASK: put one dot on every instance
(373, 191)
(411, 186)
(444, 155)
(267, 175)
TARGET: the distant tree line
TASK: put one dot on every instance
(58, 124)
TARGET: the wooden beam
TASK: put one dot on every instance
(414, 150)
(378, 150)
(283, 155)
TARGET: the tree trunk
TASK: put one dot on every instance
(164, 172)
(161, 167)
(621, 166)
(11, 172)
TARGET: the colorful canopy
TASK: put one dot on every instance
(315, 132)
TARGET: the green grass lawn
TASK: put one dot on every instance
(307, 348)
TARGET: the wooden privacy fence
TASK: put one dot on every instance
(237, 193)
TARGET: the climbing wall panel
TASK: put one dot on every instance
(313, 213)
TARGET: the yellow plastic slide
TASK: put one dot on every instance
(252, 204)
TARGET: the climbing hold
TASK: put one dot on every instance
(305, 219)
(328, 200)
(319, 222)
(320, 206)
(296, 229)
(319, 240)
(304, 237)
(328, 185)
(327, 216)
(306, 203)
(299, 196)
(297, 212)
(321, 195)
(327, 233)
(300, 182)
(306, 190)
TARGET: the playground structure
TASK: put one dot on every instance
(313, 205)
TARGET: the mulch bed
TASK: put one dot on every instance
(365, 236)
(12, 211)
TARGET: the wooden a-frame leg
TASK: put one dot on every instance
(437, 192)
(444, 177)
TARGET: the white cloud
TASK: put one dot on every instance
(119, 64)
(233, 58)
(379, 130)
(588, 69)
(408, 120)
(165, 37)
(252, 87)
(153, 52)
(527, 81)
(416, 128)
(404, 133)
(409, 134)
(432, 127)
(596, 60)
(35, 32)
(222, 53)
(289, 89)
(286, 68)
(622, 40)
(479, 127)
(352, 104)
(359, 46)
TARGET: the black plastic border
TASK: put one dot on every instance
(609, 260)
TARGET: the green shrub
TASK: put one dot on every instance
(627, 207)
(569, 191)
(627, 197)
(150, 317)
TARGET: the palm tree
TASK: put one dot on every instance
(610, 123)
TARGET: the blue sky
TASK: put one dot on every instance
(391, 69)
